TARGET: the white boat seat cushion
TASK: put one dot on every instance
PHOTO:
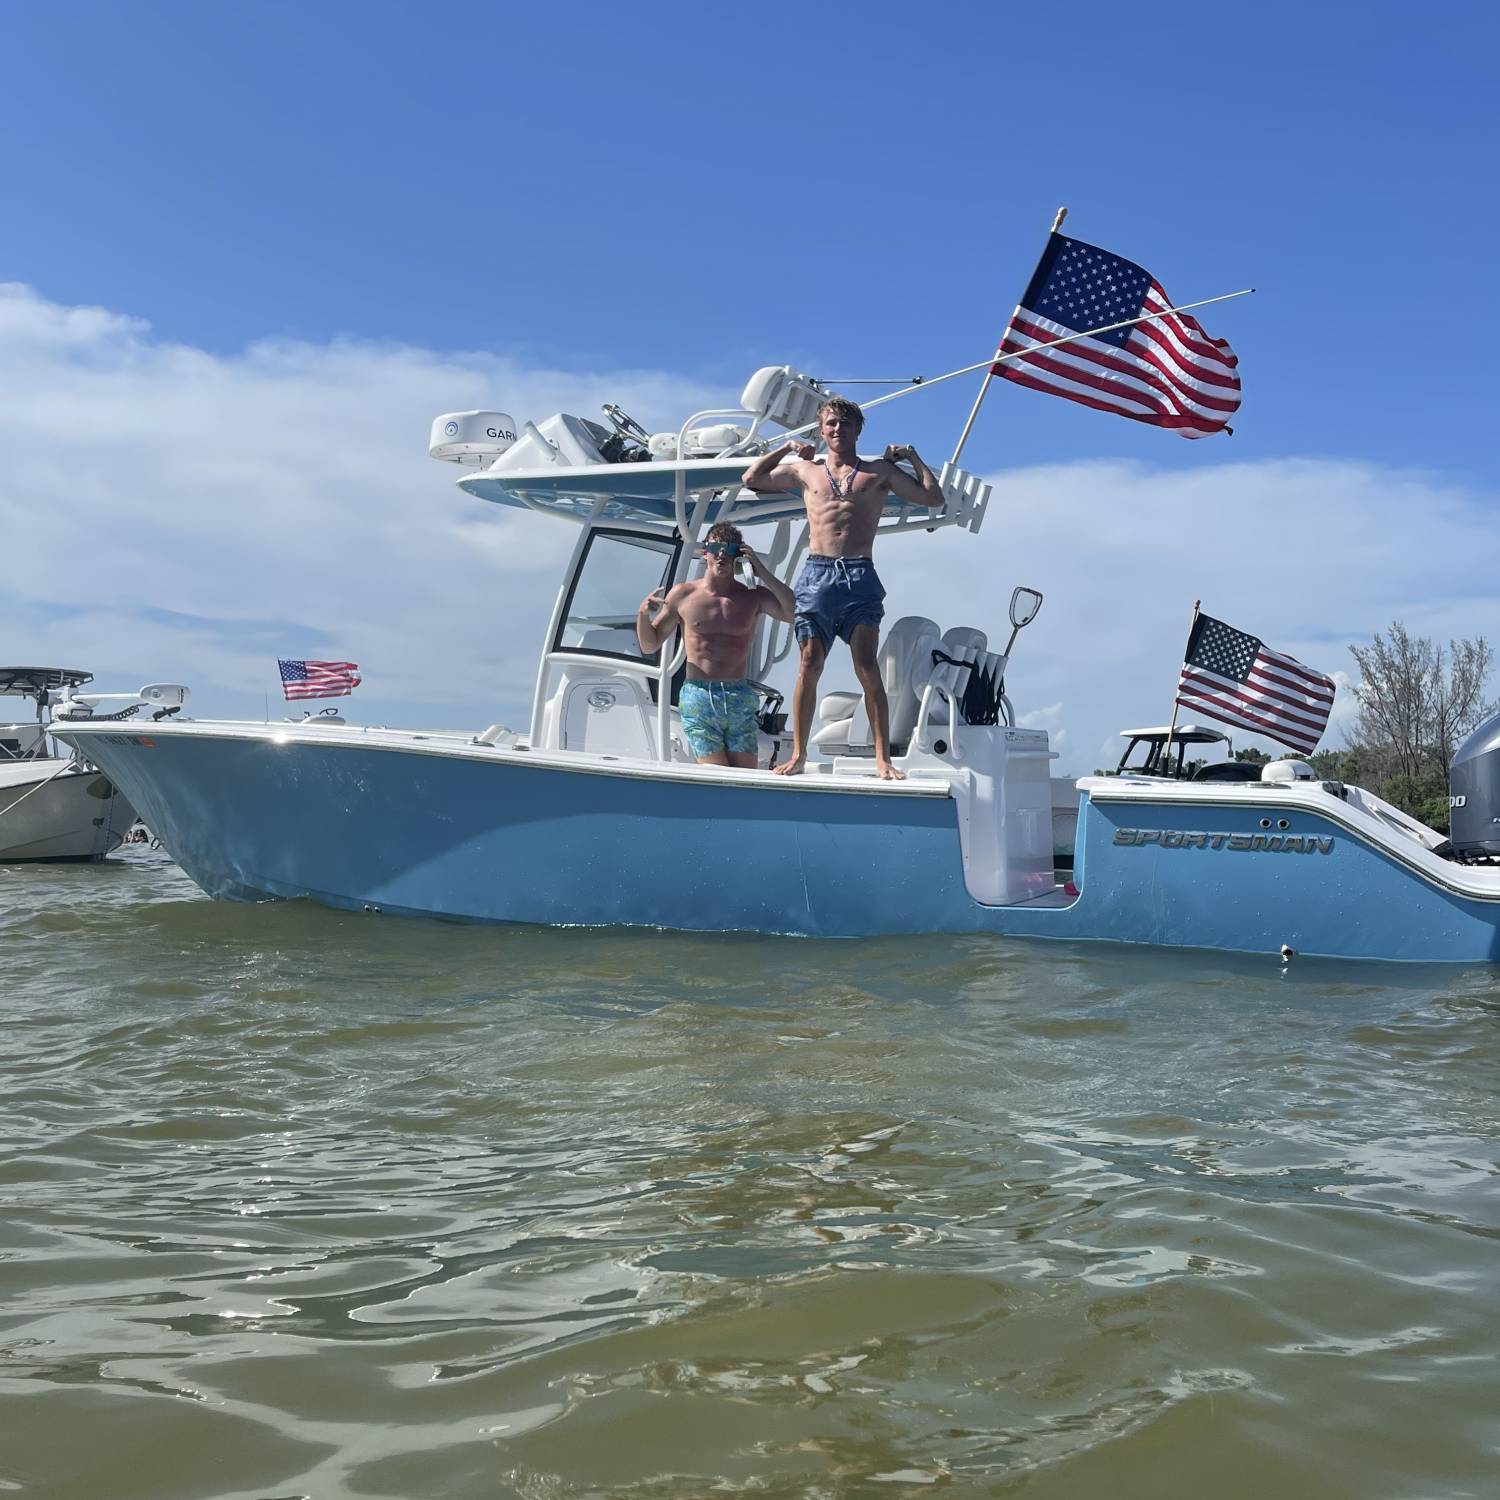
(964, 640)
(837, 706)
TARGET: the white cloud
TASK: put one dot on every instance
(1309, 554)
(172, 513)
(1049, 718)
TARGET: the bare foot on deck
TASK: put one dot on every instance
(793, 767)
(887, 772)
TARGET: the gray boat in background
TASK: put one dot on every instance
(52, 806)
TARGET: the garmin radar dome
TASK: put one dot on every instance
(472, 438)
(1288, 769)
(1474, 795)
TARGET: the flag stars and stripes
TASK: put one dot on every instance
(1166, 371)
(1235, 678)
(1231, 652)
(317, 679)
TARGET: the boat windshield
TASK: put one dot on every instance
(619, 569)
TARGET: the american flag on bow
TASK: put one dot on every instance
(1233, 677)
(318, 679)
(1165, 371)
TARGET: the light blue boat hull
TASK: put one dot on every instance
(502, 839)
(506, 841)
(1356, 900)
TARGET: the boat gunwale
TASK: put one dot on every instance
(922, 782)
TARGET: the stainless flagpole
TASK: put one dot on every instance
(1087, 333)
(989, 374)
(1172, 727)
(1000, 359)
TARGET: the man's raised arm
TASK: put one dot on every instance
(651, 633)
(770, 472)
(777, 599)
(924, 489)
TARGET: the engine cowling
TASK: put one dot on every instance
(1474, 794)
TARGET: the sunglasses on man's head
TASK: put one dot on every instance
(722, 549)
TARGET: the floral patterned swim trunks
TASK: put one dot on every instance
(719, 715)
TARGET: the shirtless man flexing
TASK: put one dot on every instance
(717, 614)
(837, 592)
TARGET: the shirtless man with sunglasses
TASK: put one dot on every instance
(839, 596)
(717, 614)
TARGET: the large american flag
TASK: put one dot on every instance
(318, 679)
(1233, 677)
(1166, 371)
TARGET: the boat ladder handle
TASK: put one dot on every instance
(949, 695)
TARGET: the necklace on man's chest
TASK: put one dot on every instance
(841, 491)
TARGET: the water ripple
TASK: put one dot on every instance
(306, 1204)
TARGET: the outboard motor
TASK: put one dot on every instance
(1474, 795)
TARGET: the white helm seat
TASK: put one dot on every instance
(779, 394)
(837, 706)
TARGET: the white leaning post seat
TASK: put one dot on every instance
(777, 393)
(905, 662)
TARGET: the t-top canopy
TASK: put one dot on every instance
(636, 492)
(633, 492)
(1186, 734)
(32, 682)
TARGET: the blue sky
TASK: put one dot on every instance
(665, 197)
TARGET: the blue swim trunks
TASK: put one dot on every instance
(835, 596)
(719, 715)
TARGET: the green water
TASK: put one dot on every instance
(306, 1204)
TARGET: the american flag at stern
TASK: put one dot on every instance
(1233, 677)
(1166, 371)
(318, 679)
